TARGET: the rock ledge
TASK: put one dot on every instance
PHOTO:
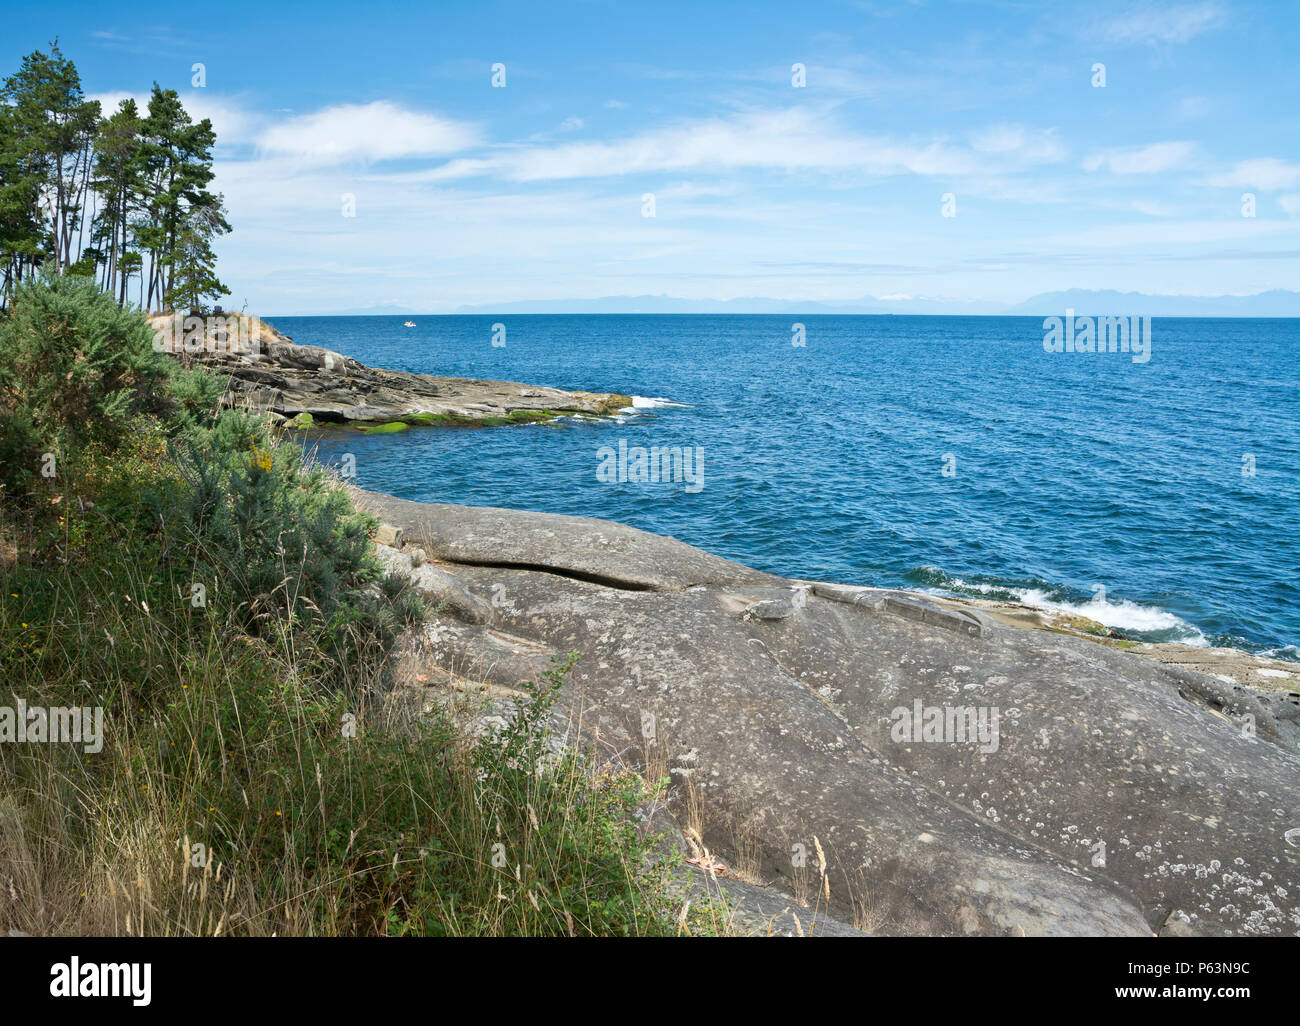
(310, 386)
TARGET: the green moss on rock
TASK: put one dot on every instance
(425, 418)
(530, 416)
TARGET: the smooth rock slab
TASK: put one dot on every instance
(1110, 799)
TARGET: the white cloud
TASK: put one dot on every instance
(735, 198)
(999, 138)
(1163, 23)
(1154, 209)
(1033, 147)
(1262, 173)
(785, 140)
(230, 120)
(372, 132)
(1162, 156)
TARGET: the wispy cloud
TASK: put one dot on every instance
(1033, 146)
(1145, 160)
(368, 132)
(794, 139)
(1153, 23)
(1261, 173)
(1152, 208)
(467, 194)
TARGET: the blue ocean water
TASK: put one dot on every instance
(1158, 497)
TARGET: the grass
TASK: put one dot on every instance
(215, 604)
(251, 780)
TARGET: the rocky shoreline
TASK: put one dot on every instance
(1118, 792)
(309, 387)
(902, 762)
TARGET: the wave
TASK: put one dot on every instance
(1288, 652)
(640, 402)
(1137, 621)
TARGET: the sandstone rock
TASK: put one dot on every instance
(387, 534)
(759, 911)
(268, 373)
(580, 548)
(444, 591)
(1106, 793)
(769, 609)
(1178, 925)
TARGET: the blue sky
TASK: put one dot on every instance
(467, 193)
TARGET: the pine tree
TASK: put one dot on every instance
(183, 216)
(119, 183)
(21, 247)
(52, 128)
(194, 270)
(120, 198)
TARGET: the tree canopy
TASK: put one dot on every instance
(122, 198)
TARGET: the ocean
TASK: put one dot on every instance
(955, 454)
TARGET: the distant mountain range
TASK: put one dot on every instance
(753, 305)
(1090, 302)
(1277, 303)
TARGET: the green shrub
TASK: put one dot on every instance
(196, 394)
(74, 366)
(279, 545)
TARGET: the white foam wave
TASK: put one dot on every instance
(1129, 617)
(641, 402)
(1126, 616)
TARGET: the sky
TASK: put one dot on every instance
(802, 151)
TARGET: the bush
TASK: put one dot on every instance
(280, 547)
(196, 394)
(74, 366)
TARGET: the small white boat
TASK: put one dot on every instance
(409, 324)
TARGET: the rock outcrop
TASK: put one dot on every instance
(309, 385)
(961, 774)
